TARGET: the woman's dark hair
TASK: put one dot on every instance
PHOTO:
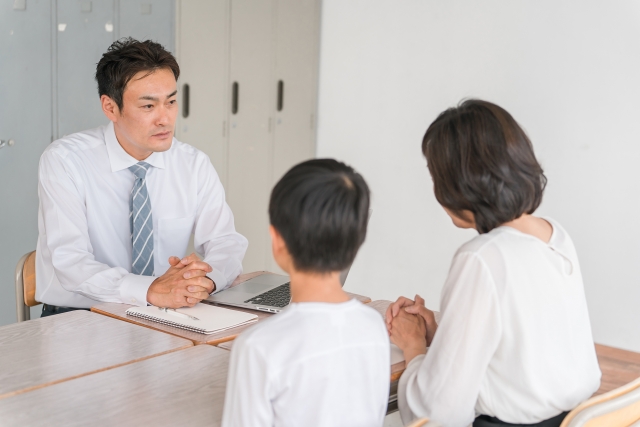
(320, 208)
(127, 57)
(481, 160)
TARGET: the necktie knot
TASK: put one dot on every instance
(140, 169)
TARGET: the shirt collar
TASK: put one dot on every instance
(120, 159)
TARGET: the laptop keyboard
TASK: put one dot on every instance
(276, 297)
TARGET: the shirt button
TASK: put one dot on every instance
(133, 300)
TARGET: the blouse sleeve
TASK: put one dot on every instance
(444, 384)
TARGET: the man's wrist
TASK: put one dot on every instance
(219, 280)
(134, 289)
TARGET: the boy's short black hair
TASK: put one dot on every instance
(127, 57)
(320, 208)
(481, 160)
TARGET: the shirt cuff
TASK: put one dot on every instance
(219, 279)
(134, 287)
(415, 362)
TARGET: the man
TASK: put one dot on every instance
(119, 202)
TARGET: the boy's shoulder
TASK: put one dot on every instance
(306, 320)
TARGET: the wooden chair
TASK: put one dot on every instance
(26, 286)
(617, 408)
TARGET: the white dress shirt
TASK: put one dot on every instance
(84, 242)
(514, 340)
(313, 364)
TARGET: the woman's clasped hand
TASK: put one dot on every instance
(411, 326)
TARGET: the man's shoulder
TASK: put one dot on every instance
(188, 151)
(76, 142)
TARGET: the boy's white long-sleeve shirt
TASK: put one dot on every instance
(314, 364)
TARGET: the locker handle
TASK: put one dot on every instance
(185, 100)
(280, 94)
(234, 98)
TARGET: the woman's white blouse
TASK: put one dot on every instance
(514, 340)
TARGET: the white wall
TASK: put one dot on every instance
(568, 71)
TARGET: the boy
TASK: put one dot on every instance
(324, 360)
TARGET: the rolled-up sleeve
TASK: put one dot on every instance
(215, 236)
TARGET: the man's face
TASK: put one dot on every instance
(147, 120)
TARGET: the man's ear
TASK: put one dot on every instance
(110, 108)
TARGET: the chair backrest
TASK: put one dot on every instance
(26, 286)
(617, 408)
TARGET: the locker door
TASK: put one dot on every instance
(296, 52)
(203, 51)
(85, 31)
(25, 118)
(147, 20)
(296, 82)
(250, 154)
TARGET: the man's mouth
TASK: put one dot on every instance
(162, 134)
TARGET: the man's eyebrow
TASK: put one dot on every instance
(153, 98)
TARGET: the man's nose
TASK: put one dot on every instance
(164, 116)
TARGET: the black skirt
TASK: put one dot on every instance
(487, 421)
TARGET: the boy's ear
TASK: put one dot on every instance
(277, 242)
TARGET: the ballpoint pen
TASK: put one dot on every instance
(177, 313)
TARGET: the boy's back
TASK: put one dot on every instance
(320, 364)
(324, 360)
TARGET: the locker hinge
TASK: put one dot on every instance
(311, 122)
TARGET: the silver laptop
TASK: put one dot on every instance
(267, 292)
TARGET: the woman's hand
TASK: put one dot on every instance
(409, 331)
(394, 308)
(413, 307)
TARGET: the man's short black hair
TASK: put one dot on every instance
(482, 161)
(320, 208)
(127, 57)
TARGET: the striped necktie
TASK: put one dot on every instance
(141, 222)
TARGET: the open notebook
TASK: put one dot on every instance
(210, 319)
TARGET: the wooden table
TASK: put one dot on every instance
(183, 388)
(118, 311)
(58, 348)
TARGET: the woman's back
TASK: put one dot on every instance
(545, 360)
(514, 340)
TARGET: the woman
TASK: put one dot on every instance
(514, 344)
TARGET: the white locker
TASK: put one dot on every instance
(85, 29)
(269, 99)
(249, 162)
(147, 20)
(202, 51)
(25, 120)
(296, 76)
